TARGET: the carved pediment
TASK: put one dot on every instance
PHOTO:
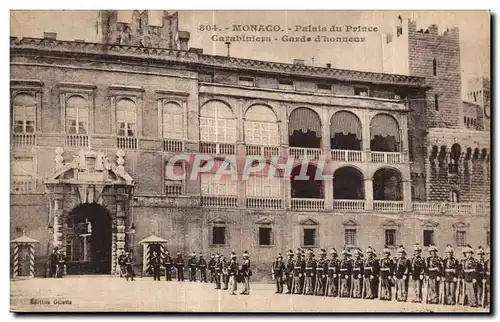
(264, 221)
(218, 220)
(309, 222)
(430, 224)
(460, 225)
(350, 222)
(390, 223)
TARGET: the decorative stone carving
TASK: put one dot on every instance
(59, 158)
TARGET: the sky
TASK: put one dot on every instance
(474, 29)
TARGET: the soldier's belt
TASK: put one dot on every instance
(308, 268)
(452, 270)
(319, 269)
(297, 267)
(469, 270)
(384, 269)
(356, 269)
(369, 268)
(343, 269)
(433, 269)
(331, 268)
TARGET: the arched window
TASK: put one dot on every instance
(454, 197)
(345, 131)
(348, 183)
(126, 114)
(213, 184)
(308, 185)
(172, 121)
(261, 184)
(24, 113)
(217, 123)
(77, 115)
(387, 185)
(261, 127)
(384, 130)
(454, 158)
(304, 128)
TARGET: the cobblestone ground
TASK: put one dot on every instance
(107, 293)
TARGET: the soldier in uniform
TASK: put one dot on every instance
(278, 270)
(386, 272)
(224, 269)
(156, 264)
(179, 265)
(217, 271)
(433, 276)
(121, 263)
(483, 277)
(345, 270)
(357, 275)
(310, 273)
(402, 275)
(370, 272)
(129, 267)
(332, 281)
(290, 263)
(298, 272)
(470, 276)
(192, 265)
(202, 265)
(168, 266)
(61, 263)
(233, 272)
(53, 262)
(211, 268)
(450, 275)
(418, 269)
(246, 272)
(321, 270)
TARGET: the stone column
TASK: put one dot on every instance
(403, 134)
(120, 231)
(58, 223)
(365, 123)
(368, 194)
(407, 205)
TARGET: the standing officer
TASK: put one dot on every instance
(192, 265)
(155, 264)
(310, 273)
(121, 263)
(321, 271)
(278, 271)
(53, 262)
(217, 271)
(370, 270)
(211, 268)
(357, 275)
(129, 267)
(246, 272)
(469, 273)
(402, 275)
(233, 272)
(418, 269)
(386, 272)
(433, 276)
(202, 265)
(332, 281)
(61, 263)
(345, 274)
(451, 272)
(290, 263)
(298, 271)
(168, 266)
(483, 277)
(179, 265)
(224, 268)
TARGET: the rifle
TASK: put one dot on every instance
(352, 286)
(483, 294)
(426, 289)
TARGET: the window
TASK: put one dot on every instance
(286, 84)
(172, 121)
(261, 126)
(351, 238)
(217, 123)
(361, 91)
(434, 67)
(219, 235)
(390, 237)
(436, 102)
(225, 186)
(22, 175)
(174, 185)
(454, 196)
(246, 81)
(265, 236)
(77, 115)
(428, 237)
(460, 238)
(24, 113)
(309, 237)
(263, 186)
(324, 88)
(126, 117)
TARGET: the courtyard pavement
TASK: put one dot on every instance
(113, 294)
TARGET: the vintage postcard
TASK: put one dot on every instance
(250, 161)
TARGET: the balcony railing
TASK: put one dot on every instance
(22, 186)
(347, 155)
(265, 151)
(219, 201)
(173, 145)
(125, 142)
(307, 203)
(218, 148)
(349, 205)
(76, 140)
(173, 190)
(388, 206)
(386, 157)
(264, 203)
(23, 139)
(451, 208)
(427, 207)
(306, 153)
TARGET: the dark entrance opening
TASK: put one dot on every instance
(89, 240)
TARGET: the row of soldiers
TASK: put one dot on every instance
(225, 274)
(445, 280)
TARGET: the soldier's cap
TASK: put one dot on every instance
(467, 249)
(298, 251)
(356, 251)
(245, 254)
(432, 248)
(178, 253)
(216, 255)
(417, 247)
(233, 255)
(370, 250)
(212, 256)
(401, 250)
(346, 252)
(448, 249)
(201, 255)
(386, 251)
(480, 250)
(290, 253)
(193, 254)
(56, 248)
(333, 251)
(279, 255)
(323, 251)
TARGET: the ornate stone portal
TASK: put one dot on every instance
(90, 177)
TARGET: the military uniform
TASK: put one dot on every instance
(246, 272)
(434, 269)
(357, 275)
(278, 271)
(401, 275)
(289, 272)
(345, 271)
(217, 272)
(386, 271)
(470, 277)
(418, 271)
(224, 275)
(332, 281)
(310, 273)
(233, 272)
(192, 265)
(483, 273)
(179, 265)
(321, 270)
(370, 275)
(61, 263)
(155, 264)
(451, 268)
(298, 272)
(53, 262)
(202, 265)
(121, 264)
(168, 263)
(129, 267)
(211, 268)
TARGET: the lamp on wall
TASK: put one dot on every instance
(132, 229)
